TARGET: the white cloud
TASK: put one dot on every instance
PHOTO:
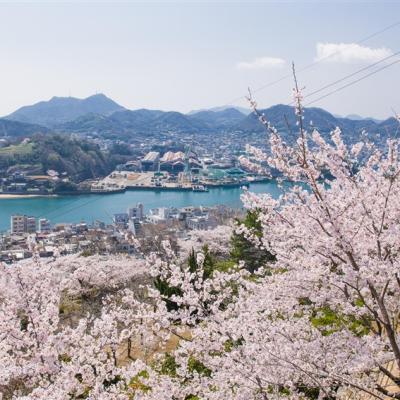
(350, 52)
(262, 63)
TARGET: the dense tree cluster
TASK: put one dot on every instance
(78, 158)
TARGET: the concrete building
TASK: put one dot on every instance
(47, 251)
(30, 224)
(44, 225)
(120, 219)
(134, 225)
(136, 212)
(23, 224)
(17, 224)
(162, 214)
(200, 222)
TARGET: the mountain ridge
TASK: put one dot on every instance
(243, 110)
(62, 109)
(110, 120)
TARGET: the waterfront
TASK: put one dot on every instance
(101, 207)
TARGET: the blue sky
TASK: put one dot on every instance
(189, 55)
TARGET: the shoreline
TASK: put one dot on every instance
(89, 208)
(7, 196)
(10, 196)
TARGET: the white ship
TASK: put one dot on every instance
(199, 188)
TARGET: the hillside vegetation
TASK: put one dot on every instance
(78, 158)
(17, 129)
(17, 150)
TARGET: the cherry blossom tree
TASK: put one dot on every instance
(44, 358)
(318, 321)
(322, 320)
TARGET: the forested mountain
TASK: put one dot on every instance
(101, 116)
(223, 119)
(242, 110)
(123, 124)
(135, 122)
(17, 129)
(78, 158)
(283, 118)
(62, 109)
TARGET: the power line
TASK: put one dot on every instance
(353, 82)
(280, 80)
(348, 76)
(351, 75)
(68, 210)
(308, 66)
(307, 104)
(328, 56)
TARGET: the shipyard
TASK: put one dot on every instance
(175, 171)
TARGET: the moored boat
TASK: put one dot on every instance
(199, 188)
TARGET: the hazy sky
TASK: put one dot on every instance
(189, 55)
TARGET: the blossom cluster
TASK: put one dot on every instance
(320, 320)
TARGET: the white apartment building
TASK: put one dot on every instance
(18, 223)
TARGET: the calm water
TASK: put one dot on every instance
(101, 207)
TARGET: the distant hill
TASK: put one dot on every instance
(79, 158)
(101, 116)
(90, 124)
(391, 125)
(141, 123)
(283, 118)
(223, 119)
(243, 110)
(137, 122)
(354, 117)
(17, 129)
(59, 110)
(357, 117)
(175, 121)
(125, 124)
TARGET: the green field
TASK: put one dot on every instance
(20, 149)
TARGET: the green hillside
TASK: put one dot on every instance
(17, 150)
(79, 159)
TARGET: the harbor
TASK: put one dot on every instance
(119, 181)
(92, 207)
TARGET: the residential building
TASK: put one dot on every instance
(17, 224)
(134, 225)
(162, 214)
(44, 225)
(23, 224)
(30, 224)
(136, 212)
(200, 222)
(120, 219)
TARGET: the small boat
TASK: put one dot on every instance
(199, 188)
